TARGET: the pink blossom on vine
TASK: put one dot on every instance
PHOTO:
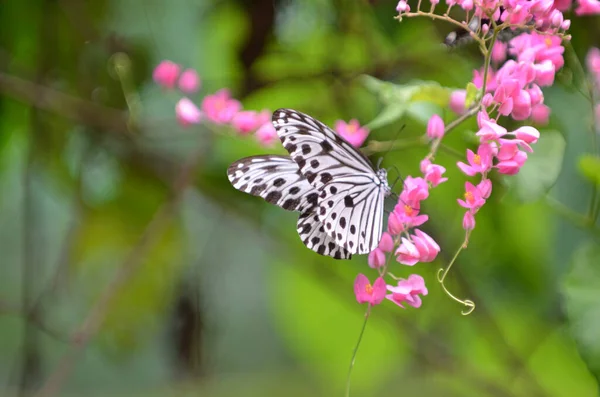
(367, 293)
(468, 221)
(386, 244)
(415, 190)
(376, 258)
(426, 245)
(220, 107)
(540, 114)
(457, 101)
(266, 134)
(490, 131)
(408, 216)
(407, 253)
(247, 121)
(499, 52)
(408, 291)
(433, 173)
(189, 81)
(511, 159)
(187, 112)
(479, 163)
(473, 198)
(485, 188)
(166, 73)
(435, 127)
(587, 7)
(527, 134)
(352, 132)
(402, 6)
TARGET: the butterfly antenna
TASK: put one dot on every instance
(391, 145)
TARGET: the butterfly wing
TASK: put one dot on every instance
(313, 235)
(278, 180)
(350, 192)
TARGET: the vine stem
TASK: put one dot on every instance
(362, 331)
(443, 17)
(444, 272)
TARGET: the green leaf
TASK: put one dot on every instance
(589, 165)
(582, 292)
(398, 98)
(471, 96)
(541, 169)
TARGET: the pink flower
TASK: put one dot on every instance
(189, 81)
(352, 132)
(415, 190)
(407, 253)
(187, 112)
(376, 258)
(478, 79)
(458, 99)
(540, 114)
(395, 225)
(513, 165)
(426, 245)
(473, 198)
(527, 134)
(544, 73)
(247, 121)
(592, 60)
(408, 216)
(367, 293)
(479, 163)
(587, 7)
(386, 243)
(402, 6)
(468, 221)
(166, 73)
(485, 188)
(499, 52)
(490, 131)
(420, 248)
(435, 127)
(521, 105)
(408, 291)
(433, 174)
(220, 108)
(266, 134)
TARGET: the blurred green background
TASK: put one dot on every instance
(219, 297)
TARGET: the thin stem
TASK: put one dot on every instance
(436, 143)
(362, 331)
(382, 146)
(573, 216)
(486, 64)
(444, 272)
(444, 17)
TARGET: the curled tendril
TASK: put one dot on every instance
(441, 275)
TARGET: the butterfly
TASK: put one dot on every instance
(335, 188)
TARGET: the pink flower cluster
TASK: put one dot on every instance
(593, 65)
(404, 292)
(221, 109)
(407, 243)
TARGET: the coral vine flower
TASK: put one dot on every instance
(247, 121)
(420, 248)
(408, 291)
(479, 163)
(220, 107)
(435, 127)
(415, 190)
(490, 131)
(266, 134)
(367, 293)
(352, 132)
(187, 112)
(189, 82)
(433, 173)
(587, 7)
(473, 198)
(166, 73)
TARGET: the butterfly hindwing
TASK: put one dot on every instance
(313, 235)
(277, 179)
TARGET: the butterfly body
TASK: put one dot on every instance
(334, 186)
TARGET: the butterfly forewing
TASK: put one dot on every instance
(351, 194)
(277, 179)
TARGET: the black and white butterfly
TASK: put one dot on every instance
(334, 186)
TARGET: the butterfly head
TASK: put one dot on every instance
(382, 176)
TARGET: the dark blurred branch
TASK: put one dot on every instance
(127, 269)
(84, 112)
(14, 310)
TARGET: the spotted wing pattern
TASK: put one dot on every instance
(278, 180)
(351, 193)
